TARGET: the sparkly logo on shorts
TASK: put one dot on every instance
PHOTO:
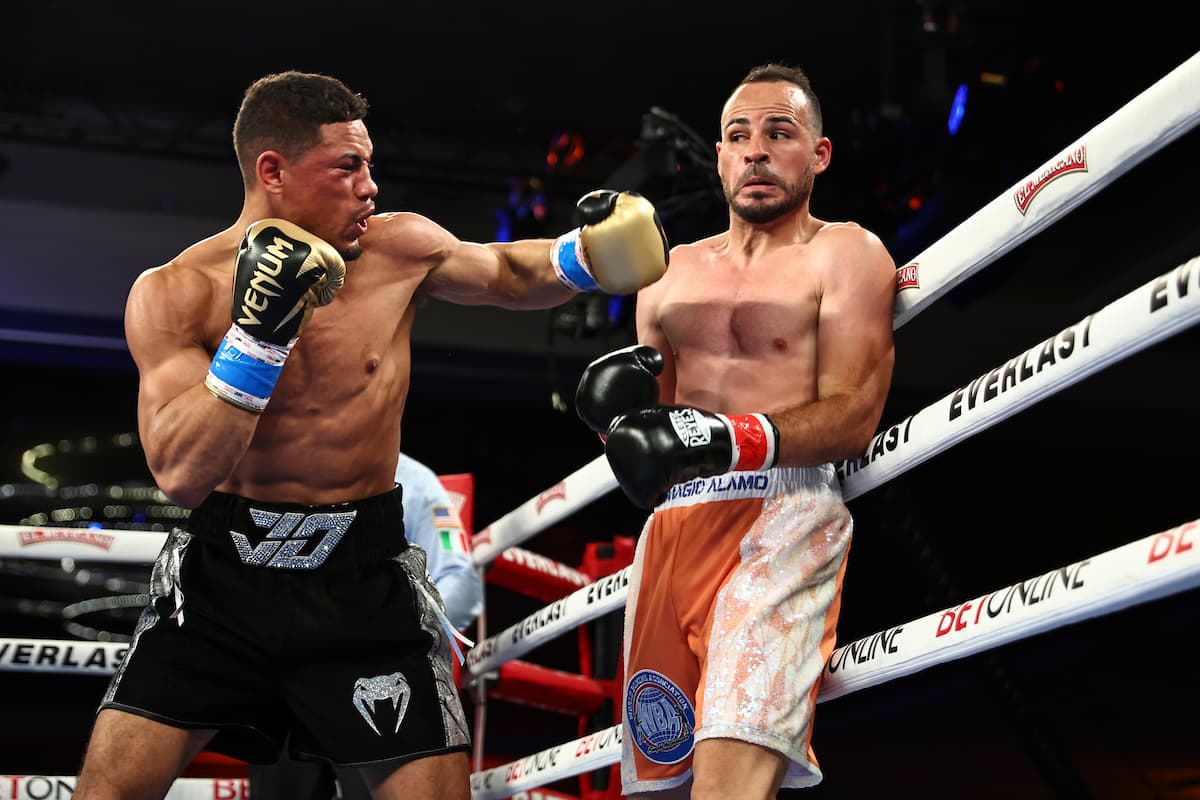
(392, 687)
(288, 535)
(660, 716)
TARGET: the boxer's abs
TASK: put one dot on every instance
(314, 449)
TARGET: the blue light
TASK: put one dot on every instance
(616, 307)
(958, 109)
(503, 227)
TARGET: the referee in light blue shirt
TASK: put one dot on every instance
(431, 522)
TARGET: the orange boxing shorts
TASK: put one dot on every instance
(733, 602)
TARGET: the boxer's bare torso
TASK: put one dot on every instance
(741, 331)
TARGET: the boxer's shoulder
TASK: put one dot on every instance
(405, 235)
(195, 281)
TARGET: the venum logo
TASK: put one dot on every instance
(264, 284)
(288, 534)
(394, 687)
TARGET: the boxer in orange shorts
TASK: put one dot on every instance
(736, 629)
(765, 354)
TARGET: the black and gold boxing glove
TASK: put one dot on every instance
(282, 273)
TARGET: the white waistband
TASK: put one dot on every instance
(747, 485)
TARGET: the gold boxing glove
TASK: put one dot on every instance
(620, 248)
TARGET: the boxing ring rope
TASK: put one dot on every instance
(586, 484)
(41, 787)
(80, 544)
(1144, 125)
(1144, 570)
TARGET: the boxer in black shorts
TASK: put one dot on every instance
(344, 649)
(273, 365)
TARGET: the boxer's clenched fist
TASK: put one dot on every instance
(620, 248)
(617, 383)
(282, 273)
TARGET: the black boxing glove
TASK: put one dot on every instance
(620, 248)
(617, 383)
(282, 273)
(653, 449)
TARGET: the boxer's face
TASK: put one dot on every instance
(330, 190)
(767, 155)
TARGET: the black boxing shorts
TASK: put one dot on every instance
(317, 625)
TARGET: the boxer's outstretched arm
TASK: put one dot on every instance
(620, 248)
(192, 439)
(514, 275)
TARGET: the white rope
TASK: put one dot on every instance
(1146, 315)
(580, 488)
(596, 750)
(592, 601)
(56, 787)
(61, 656)
(81, 544)
(1149, 314)
(536, 562)
(1149, 122)
(1155, 311)
(1148, 569)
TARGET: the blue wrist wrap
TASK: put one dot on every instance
(571, 270)
(245, 372)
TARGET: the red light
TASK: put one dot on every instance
(566, 149)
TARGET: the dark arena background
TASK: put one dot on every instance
(493, 120)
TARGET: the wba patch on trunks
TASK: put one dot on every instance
(661, 718)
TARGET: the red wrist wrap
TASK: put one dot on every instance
(757, 441)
